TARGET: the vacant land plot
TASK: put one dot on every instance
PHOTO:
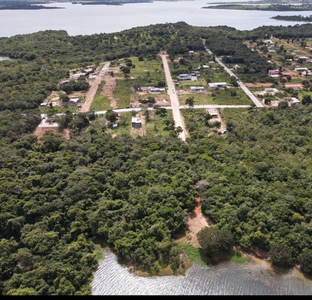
(219, 97)
(159, 124)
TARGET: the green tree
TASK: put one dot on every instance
(189, 101)
(111, 115)
(214, 240)
(305, 260)
(280, 255)
(306, 100)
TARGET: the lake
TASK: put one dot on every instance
(79, 19)
(224, 279)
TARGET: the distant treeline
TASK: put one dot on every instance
(24, 5)
(297, 18)
(274, 7)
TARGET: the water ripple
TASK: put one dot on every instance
(224, 279)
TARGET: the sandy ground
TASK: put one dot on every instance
(196, 223)
(41, 130)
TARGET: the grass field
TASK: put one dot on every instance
(219, 97)
(100, 102)
(159, 124)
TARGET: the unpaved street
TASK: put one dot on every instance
(173, 99)
(93, 88)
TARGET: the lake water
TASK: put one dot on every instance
(223, 279)
(79, 19)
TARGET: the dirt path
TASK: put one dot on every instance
(93, 89)
(196, 222)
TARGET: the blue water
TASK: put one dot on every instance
(223, 279)
(79, 19)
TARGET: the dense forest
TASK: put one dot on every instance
(61, 198)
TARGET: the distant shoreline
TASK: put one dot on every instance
(25, 7)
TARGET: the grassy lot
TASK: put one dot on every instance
(145, 73)
(100, 102)
(159, 124)
(196, 122)
(151, 70)
(122, 92)
(186, 85)
(235, 115)
(301, 93)
(57, 109)
(217, 74)
(220, 97)
(124, 124)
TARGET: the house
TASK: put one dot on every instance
(79, 75)
(196, 73)
(273, 72)
(213, 112)
(285, 74)
(157, 90)
(136, 122)
(301, 69)
(64, 82)
(304, 58)
(292, 101)
(197, 89)
(205, 67)
(214, 85)
(185, 77)
(73, 102)
(271, 91)
(88, 70)
(47, 122)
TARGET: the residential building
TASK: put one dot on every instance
(214, 85)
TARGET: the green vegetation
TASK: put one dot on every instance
(100, 102)
(219, 96)
(297, 18)
(61, 199)
(196, 255)
(266, 7)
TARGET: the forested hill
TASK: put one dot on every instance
(60, 198)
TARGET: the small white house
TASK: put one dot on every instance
(157, 90)
(213, 112)
(73, 102)
(271, 91)
(214, 85)
(197, 89)
(79, 75)
(292, 101)
(136, 122)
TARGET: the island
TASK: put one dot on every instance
(264, 7)
(32, 5)
(297, 18)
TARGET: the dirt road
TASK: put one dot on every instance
(196, 223)
(173, 99)
(93, 88)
